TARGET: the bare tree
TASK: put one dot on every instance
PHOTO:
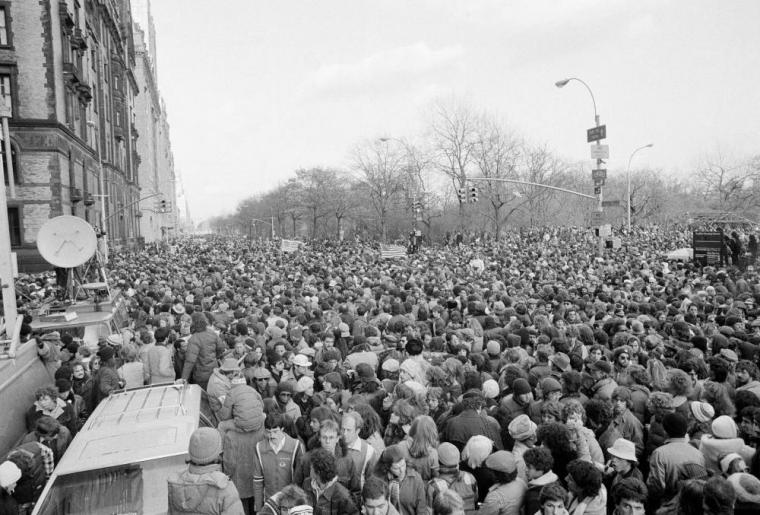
(729, 183)
(453, 131)
(317, 185)
(381, 166)
(496, 153)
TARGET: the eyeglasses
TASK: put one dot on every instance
(285, 394)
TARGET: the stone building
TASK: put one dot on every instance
(68, 68)
(158, 212)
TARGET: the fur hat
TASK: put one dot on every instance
(746, 486)
(205, 446)
(490, 389)
(520, 387)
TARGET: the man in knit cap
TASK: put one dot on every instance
(9, 476)
(203, 488)
(451, 478)
(523, 431)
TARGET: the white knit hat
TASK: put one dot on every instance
(9, 474)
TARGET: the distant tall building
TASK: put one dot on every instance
(68, 67)
(159, 211)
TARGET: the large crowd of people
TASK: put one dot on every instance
(520, 376)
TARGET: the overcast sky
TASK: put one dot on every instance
(256, 89)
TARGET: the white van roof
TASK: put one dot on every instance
(134, 426)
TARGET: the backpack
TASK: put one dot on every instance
(464, 484)
(28, 458)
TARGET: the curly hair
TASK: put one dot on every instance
(586, 476)
(46, 391)
(539, 458)
(573, 406)
(679, 382)
(630, 488)
(323, 464)
(552, 492)
(660, 404)
(553, 408)
(599, 412)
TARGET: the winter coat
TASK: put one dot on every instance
(201, 490)
(504, 498)
(64, 413)
(639, 397)
(159, 365)
(469, 423)
(666, 466)
(203, 349)
(629, 427)
(412, 497)
(335, 500)
(239, 458)
(603, 389)
(217, 387)
(344, 469)
(752, 386)
(530, 501)
(715, 448)
(460, 482)
(133, 374)
(106, 380)
(244, 405)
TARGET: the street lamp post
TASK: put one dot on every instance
(561, 84)
(628, 182)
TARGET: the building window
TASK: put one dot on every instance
(14, 161)
(6, 94)
(14, 225)
(4, 26)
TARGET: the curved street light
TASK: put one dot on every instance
(628, 180)
(562, 83)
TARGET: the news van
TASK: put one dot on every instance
(119, 462)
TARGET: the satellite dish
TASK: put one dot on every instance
(67, 241)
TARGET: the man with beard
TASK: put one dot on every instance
(746, 377)
(625, 422)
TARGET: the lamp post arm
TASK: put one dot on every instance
(526, 183)
(593, 100)
(133, 203)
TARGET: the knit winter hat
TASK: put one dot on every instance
(205, 446)
(724, 427)
(549, 385)
(493, 348)
(520, 387)
(490, 389)
(448, 455)
(702, 411)
(9, 474)
(304, 383)
(522, 428)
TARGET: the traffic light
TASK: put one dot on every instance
(417, 206)
(462, 193)
(473, 194)
(162, 207)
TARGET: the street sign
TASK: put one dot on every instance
(597, 190)
(597, 218)
(600, 151)
(599, 174)
(596, 133)
(610, 203)
(599, 182)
